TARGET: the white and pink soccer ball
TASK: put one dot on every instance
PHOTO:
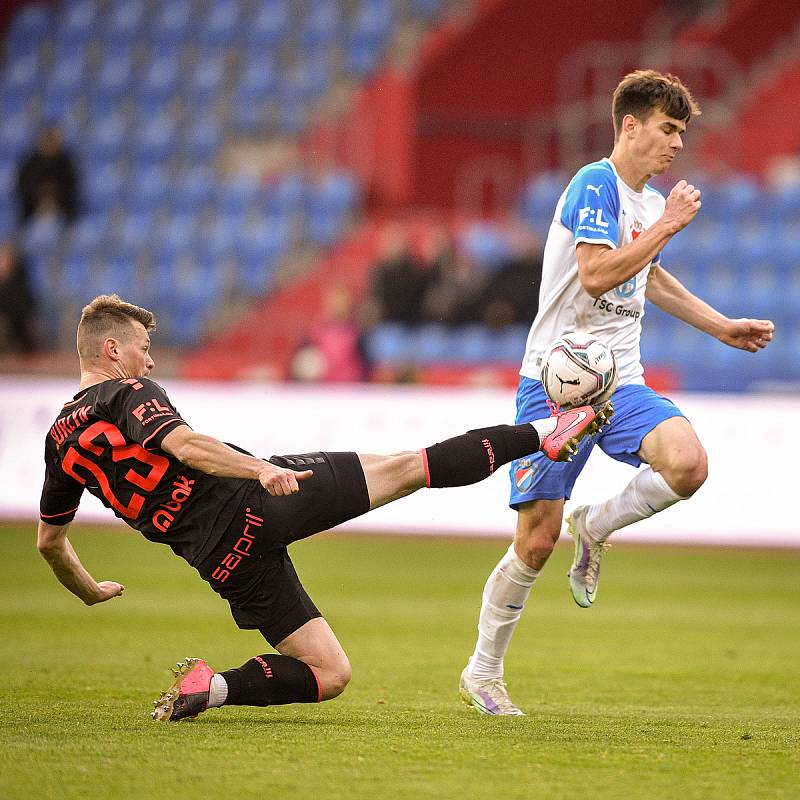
(578, 369)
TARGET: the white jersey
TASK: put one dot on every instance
(596, 207)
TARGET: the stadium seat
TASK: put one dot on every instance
(271, 24)
(104, 185)
(29, 27)
(41, 235)
(220, 24)
(161, 79)
(126, 21)
(172, 25)
(321, 25)
(206, 78)
(16, 135)
(389, 343)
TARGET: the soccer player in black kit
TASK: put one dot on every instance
(232, 515)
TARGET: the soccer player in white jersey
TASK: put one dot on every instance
(601, 261)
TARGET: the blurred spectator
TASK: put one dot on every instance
(399, 281)
(334, 349)
(455, 295)
(512, 294)
(17, 306)
(47, 177)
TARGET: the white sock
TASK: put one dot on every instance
(218, 691)
(647, 494)
(504, 596)
(544, 427)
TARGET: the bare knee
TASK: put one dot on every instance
(686, 470)
(538, 529)
(333, 677)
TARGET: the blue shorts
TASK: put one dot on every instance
(637, 410)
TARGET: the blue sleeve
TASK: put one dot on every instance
(591, 207)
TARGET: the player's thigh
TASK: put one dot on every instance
(392, 477)
(316, 644)
(673, 449)
(538, 529)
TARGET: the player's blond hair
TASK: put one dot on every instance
(644, 91)
(108, 315)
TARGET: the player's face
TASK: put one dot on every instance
(657, 141)
(135, 353)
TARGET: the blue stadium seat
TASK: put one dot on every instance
(259, 79)
(79, 22)
(389, 343)
(29, 27)
(433, 344)
(194, 190)
(426, 8)
(160, 80)
(206, 78)
(42, 235)
(286, 196)
(22, 73)
(66, 79)
(220, 25)
(108, 138)
(179, 231)
(16, 135)
(126, 21)
(88, 234)
(173, 24)
(103, 185)
(202, 139)
(238, 193)
(136, 230)
(739, 197)
(155, 139)
(271, 24)
(114, 77)
(785, 203)
(486, 244)
(149, 187)
(472, 344)
(510, 344)
(321, 25)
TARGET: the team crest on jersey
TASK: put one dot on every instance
(524, 470)
(625, 290)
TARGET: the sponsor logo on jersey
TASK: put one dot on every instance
(149, 410)
(595, 189)
(240, 550)
(165, 514)
(591, 217)
(618, 309)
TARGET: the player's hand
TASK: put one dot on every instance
(748, 334)
(683, 203)
(108, 589)
(280, 482)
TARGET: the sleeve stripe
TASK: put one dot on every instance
(162, 425)
(62, 514)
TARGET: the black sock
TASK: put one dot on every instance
(475, 455)
(271, 680)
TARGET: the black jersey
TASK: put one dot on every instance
(107, 440)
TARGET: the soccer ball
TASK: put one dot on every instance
(578, 370)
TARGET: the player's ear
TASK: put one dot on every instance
(629, 124)
(111, 349)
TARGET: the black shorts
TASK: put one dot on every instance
(251, 568)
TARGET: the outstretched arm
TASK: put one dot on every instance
(670, 295)
(214, 457)
(57, 550)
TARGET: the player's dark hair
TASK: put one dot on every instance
(644, 91)
(109, 315)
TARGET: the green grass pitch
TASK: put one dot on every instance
(682, 681)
